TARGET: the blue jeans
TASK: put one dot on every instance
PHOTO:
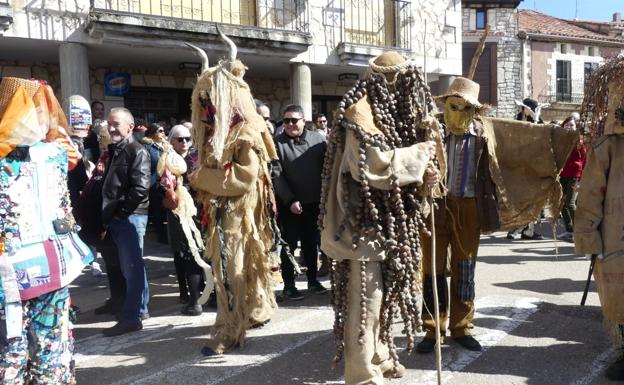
(128, 235)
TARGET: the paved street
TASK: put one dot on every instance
(528, 319)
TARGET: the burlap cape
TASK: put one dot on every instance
(525, 161)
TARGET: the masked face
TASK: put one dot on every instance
(458, 114)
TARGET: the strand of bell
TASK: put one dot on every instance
(392, 217)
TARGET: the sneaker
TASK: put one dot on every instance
(316, 288)
(426, 345)
(469, 342)
(292, 293)
(96, 270)
(511, 235)
(123, 327)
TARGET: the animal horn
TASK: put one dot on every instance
(230, 43)
(202, 54)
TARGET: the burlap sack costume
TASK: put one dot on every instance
(371, 213)
(599, 218)
(501, 173)
(234, 184)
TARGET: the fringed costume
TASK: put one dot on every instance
(371, 214)
(234, 185)
(598, 221)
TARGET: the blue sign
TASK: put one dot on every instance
(116, 84)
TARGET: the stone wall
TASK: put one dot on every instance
(509, 57)
(504, 32)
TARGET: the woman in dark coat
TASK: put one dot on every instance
(152, 141)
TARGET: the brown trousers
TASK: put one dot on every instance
(457, 228)
(365, 364)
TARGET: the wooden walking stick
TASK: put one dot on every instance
(478, 52)
(434, 284)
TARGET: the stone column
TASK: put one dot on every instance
(301, 87)
(74, 71)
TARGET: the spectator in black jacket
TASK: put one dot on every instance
(297, 182)
(124, 214)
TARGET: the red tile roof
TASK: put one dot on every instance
(533, 22)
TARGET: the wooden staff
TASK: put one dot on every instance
(434, 283)
(478, 52)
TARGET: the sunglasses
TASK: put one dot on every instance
(160, 131)
(291, 120)
(322, 121)
(183, 139)
(266, 118)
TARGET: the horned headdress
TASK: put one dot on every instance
(221, 99)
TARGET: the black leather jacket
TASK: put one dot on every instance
(126, 181)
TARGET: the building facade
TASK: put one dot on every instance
(560, 55)
(499, 71)
(131, 52)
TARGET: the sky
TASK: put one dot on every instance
(596, 10)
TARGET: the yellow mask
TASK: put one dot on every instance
(458, 114)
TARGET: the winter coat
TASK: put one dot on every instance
(125, 190)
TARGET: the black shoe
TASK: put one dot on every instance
(123, 327)
(426, 345)
(535, 237)
(316, 288)
(119, 318)
(292, 293)
(469, 342)
(615, 371)
(192, 310)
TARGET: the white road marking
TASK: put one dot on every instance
(304, 326)
(597, 366)
(454, 360)
(311, 324)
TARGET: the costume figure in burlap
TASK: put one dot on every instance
(598, 222)
(371, 214)
(234, 185)
(500, 174)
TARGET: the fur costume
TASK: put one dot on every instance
(234, 186)
(598, 221)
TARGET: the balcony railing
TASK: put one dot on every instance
(381, 23)
(284, 15)
(566, 91)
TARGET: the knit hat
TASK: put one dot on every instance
(465, 89)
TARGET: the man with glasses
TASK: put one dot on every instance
(297, 182)
(320, 124)
(263, 110)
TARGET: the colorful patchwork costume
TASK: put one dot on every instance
(41, 252)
